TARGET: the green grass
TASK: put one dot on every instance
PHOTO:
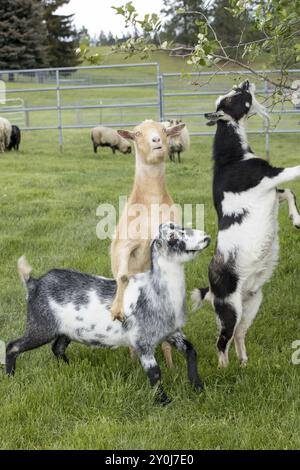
(102, 400)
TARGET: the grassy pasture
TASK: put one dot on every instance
(102, 400)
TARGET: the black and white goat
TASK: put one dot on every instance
(246, 200)
(65, 305)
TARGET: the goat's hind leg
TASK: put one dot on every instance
(250, 308)
(28, 342)
(182, 344)
(228, 316)
(153, 372)
(59, 347)
(289, 196)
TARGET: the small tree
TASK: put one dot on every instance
(102, 39)
(83, 36)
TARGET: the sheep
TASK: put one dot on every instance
(15, 138)
(106, 137)
(246, 201)
(65, 305)
(179, 143)
(130, 253)
(5, 133)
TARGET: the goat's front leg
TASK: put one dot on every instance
(122, 278)
(289, 196)
(153, 372)
(182, 344)
(117, 308)
(278, 176)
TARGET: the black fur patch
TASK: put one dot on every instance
(227, 316)
(15, 138)
(227, 220)
(237, 176)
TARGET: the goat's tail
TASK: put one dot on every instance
(198, 296)
(24, 269)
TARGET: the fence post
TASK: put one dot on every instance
(160, 94)
(59, 117)
(267, 126)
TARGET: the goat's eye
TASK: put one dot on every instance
(138, 134)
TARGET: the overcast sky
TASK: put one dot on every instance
(98, 14)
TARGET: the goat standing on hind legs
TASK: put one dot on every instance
(130, 249)
(246, 200)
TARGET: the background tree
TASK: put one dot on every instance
(110, 39)
(231, 29)
(62, 38)
(178, 28)
(275, 22)
(102, 39)
(22, 35)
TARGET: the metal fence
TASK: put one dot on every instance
(124, 95)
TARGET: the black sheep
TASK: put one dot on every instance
(15, 138)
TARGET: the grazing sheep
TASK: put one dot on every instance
(106, 137)
(65, 305)
(5, 133)
(178, 143)
(15, 138)
(246, 200)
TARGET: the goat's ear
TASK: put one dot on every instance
(175, 130)
(126, 134)
(245, 85)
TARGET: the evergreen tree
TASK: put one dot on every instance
(22, 35)
(110, 39)
(181, 28)
(84, 36)
(231, 30)
(62, 35)
(102, 39)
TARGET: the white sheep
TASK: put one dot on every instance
(106, 137)
(5, 134)
(178, 143)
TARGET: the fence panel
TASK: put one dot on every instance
(190, 96)
(83, 97)
(124, 95)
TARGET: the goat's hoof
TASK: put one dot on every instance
(243, 362)
(223, 361)
(65, 359)
(163, 400)
(199, 387)
(118, 315)
(117, 312)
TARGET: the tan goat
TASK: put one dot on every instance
(130, 249)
